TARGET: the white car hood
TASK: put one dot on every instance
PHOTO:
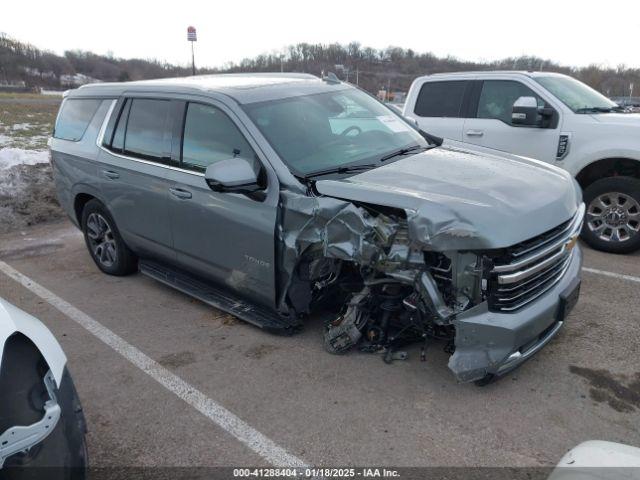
(13, 320)
(599, 460)
(631, 119)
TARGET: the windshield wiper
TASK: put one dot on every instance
(600, 109)
(352, 168)
(402, 151)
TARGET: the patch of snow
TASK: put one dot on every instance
(56, 93)
(10, 157)
(21, 126)
(4, 139)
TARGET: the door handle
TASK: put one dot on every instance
(180, 193)
(474, 133)
(110, 174)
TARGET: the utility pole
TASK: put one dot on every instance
(191, 36)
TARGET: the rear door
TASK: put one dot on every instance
(439, 107)
(490, 123)
(132, 169)
(228, 238)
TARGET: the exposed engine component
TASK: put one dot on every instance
(382, 318)
(345, 331)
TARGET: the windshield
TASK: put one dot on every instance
(320, 132)
(576, 95)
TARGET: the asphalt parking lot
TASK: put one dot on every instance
(295, 399)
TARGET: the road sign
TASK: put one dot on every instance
(191, 34)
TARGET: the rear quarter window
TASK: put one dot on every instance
(440, 99)
(74, 118)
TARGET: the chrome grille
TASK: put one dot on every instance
(529, 269)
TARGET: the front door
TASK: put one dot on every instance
(226, 238)
(490, 123)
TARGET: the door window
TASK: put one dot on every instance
(145, 135)
(440, 99)
(498, 96)
(211, 136)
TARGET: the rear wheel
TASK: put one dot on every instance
(104, 242)
(612, 220)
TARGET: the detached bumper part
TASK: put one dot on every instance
(494, 343)
(20, 438)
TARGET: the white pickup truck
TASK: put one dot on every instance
(549, 117)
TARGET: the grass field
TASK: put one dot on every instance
(27, 193)
(26, 120)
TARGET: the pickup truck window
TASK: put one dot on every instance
(497, 98)
(576, 95)
(210, 136)
(313, 133)
(440, 99)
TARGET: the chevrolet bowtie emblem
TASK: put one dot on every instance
(571, 243)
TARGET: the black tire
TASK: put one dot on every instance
(114, 258)
(62, 455)
(628, 186)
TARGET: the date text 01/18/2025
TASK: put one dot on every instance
(315, 472)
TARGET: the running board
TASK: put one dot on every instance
(256, 315)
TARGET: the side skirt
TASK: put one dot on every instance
(217, 298)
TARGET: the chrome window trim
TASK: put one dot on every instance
(100, 138)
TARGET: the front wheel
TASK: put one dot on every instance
(612, 220)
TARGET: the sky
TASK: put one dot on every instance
(576, 33)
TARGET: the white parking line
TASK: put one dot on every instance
(245, 433)
(604, 273)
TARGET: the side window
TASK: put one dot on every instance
(440, 99)
(74, 118)
(497, 98)
(210, 136)
(145, 130)
(118, 136)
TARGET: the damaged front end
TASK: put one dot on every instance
(384, 287)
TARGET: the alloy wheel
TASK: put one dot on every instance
(614, 217)
(101, 239)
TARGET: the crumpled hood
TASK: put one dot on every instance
(458, 199)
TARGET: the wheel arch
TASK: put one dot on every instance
(81, 195)
(15, 321)
(608, 167)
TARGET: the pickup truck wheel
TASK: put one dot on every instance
(612, 220)
(104, 242)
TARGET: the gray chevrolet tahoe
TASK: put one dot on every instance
(277, 196)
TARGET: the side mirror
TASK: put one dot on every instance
(233, 175)
(526, 112)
